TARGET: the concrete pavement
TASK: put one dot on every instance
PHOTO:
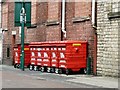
(16, 78)
(105, 82)
(100, 81)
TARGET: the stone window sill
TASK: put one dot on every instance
(80, 19)
(112, 15)
(52, 22)
(32, 26)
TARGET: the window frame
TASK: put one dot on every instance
(8, 52)
(113, 14)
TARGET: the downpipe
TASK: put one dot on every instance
(63, 18)
(93, 13)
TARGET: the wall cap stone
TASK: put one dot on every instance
(80, 19)
(52, 22)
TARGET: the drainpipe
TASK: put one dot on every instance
(95, 36)
(63, 18)
(93, 13)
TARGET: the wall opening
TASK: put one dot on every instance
(8, 52)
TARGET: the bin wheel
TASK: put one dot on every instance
(59, 71)
(31, 68)
(38, 68)
(35, 68)
(56, 70)
(48, 69)
(15, 66)
(67, 71)
(28, 66)
(42, 69)
(52, 70)
(18, 65)
(85, 70)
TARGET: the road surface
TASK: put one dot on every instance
(15, 78)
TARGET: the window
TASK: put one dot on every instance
(115, 6)
(8, 52)
(115, 10)
(19, 31)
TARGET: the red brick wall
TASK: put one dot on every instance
(81, 30)
(53, 10)
(42, 9)
(82, 9)
(70, 11)
(8, 23)
(4, 15)
(33, 13)
(39, 19)
(47, 12)
(53, 32)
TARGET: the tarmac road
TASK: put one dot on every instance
(15, 78)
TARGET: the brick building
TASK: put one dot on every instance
(108, 30)
(47, 20)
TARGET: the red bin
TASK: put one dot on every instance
(16, 57)
(17, 51)
(59, 56)
(36, 56)
(73, 56)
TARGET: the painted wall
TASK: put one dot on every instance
(108, 39)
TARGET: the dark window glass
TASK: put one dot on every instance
(8, 52)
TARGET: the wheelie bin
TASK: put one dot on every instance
(17, 51)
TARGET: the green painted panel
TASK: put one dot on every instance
(28, 13)
(18, 7)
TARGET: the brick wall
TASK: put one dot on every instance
(107, 60)
(33, 13)
(53, 10)
(7, 35)
(82, 9)
(53, 27)
(39, 19)
(5, 15)
(47, 18)
(79, 26)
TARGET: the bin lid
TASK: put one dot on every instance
(57, 42)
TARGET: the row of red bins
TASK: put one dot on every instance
(53, 56)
